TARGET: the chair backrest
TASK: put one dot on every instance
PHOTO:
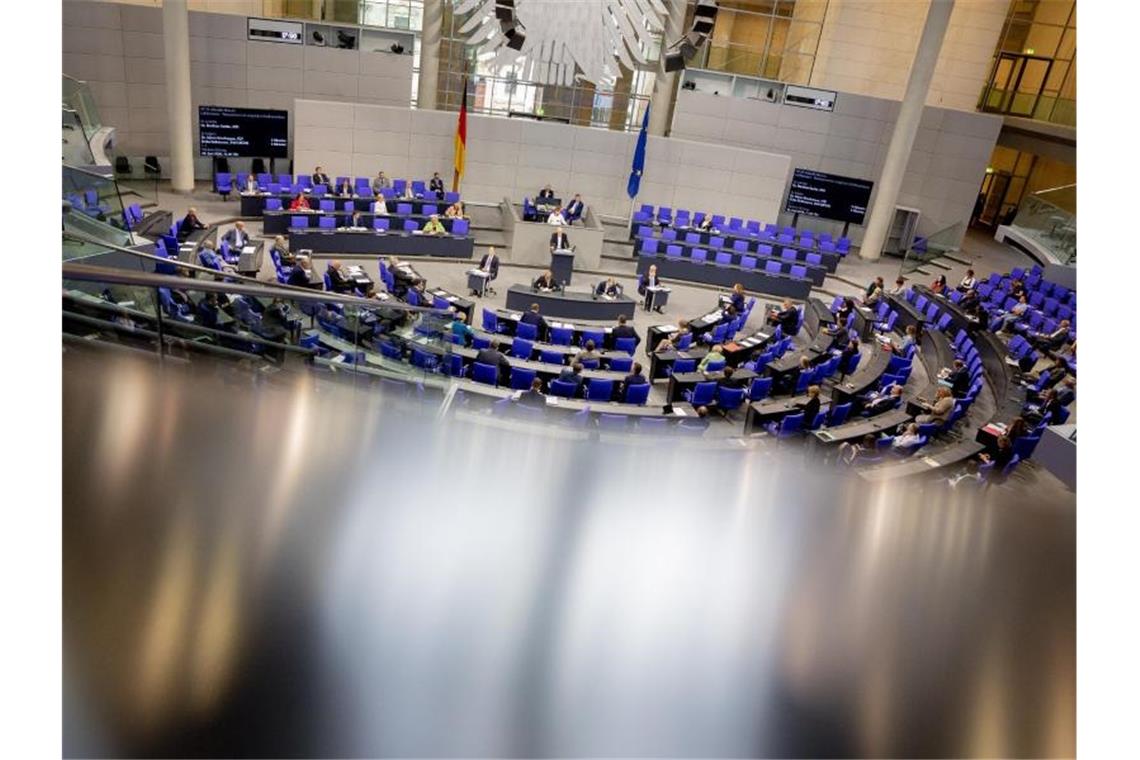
(673, 251)
(748, 262)
(685, 341)
(792, 423)
(380, 223)
(272, 204)
(669, 234)
(621, 365)
(729, 398)
(724, 258)
(699, 254)
(521, 378)
(485, 373)
(460, 227)
(637, 394)
(839, 414)
(716, 242)
(522, 348)
(327, 222)
(629, 345)
(527, 331)
(648, 247)
(772, 267)
(703, 393)
(563, 388)
(599, 389)
(598, 336)
(760, 388)
(300, 222)
(799, 271)
(682, 366)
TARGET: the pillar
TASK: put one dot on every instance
(176, 53)
(664, 85)
(902, 139)
(429, 53)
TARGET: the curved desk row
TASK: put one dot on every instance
(372, 243)
(755, 280)
(280, 222)
(681, 411)
(504, 343)
(717, 242)
(570, 304)
(831, 257)
(769, 264)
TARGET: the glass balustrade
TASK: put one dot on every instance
(1050, 218)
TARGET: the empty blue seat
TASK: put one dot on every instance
(799, 271)
(327, 223)
(772, 267)
(460, 227)
(728, 399)
(673, 251)
(790, 425)
(300, 222)
(272, 204)
(522, 348)
(563, 388)
(485, 373)
(702, 394)
(724, 258)
(700, 254)
(760, 388)
(748, 262)
(560, 335)
(621, 365)
(629, 345)
(599, 390)
(380, 223)
(521, 378)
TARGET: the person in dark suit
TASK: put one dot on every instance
(811, 406)
(190, 222)
(881, 400)
(436, 186)
(787, 316)
(206, 313)
(534, 396)
(300, 274)
(852, 349)
(736, 298)
(559, 241)
(959, 379)
(608, 287)
(624, 330)
(636, 376)
(645, 282)
(573, 374)
(545, 281)
(491, 355)
(730, 379)
(1067, 393)
(337, 279)
(490, 263)
(237, 238)
(532, 317)
(1053, 340)
(545, 193)
(320, 178)
(345, 187)
(574, 208)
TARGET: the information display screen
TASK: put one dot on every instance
(238, 132)
(829, 196)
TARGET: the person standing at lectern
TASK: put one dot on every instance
(559, 241)
(647, 281)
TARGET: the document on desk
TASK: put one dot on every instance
(552, 400)
(680, 413)
(668, 328)
(931, 462)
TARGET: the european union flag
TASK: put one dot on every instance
(639, 156)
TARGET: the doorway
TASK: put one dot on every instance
(1015, 85)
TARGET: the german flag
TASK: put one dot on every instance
(460, 140)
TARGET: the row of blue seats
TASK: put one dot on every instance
(736, 225)
(718, 239)
(459, 227)
(224, 183)
(723, 258)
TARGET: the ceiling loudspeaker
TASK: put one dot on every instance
(509, 24)
(683, 50)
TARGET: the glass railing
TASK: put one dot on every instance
(76, 145)
(927, 248)
(1028, 105)
(187, 311)
(77, 97)
(1049, 217)
(95, 206)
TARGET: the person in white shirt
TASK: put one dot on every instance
(380, 206)
(909, 437)
(968, 282)
(1017, 312)
(237, 238)
(251, 185)
(556, 217)
(380, 182)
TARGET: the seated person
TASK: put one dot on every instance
(556, 217)
(492, 356)
(715, 354)
(208, 310)
(900, 286)
(283, 253)
(575, 208)
(299, 203)
(881, 400)
(940, 410)
(1067, 393)
(910, 338)
(957, 377)
(849, 351)
(590, 353)
(787, 316)
(208, 257)
(190, 222)
(573, 374)
(969, 300)
(559, 241)
(545, 193)
(1044, 411)
(1016, 289)
(1054, 340)
(874, 292)
(435, 185)
(969, 282)
(731, 380)
(380, 182)
(251, 185)
(736, 297)
(810, 407)
(636, 376)
(625, 330)
(853, 453)
(909, 437)
(545, 281)
(669, 343)
(702, 420)
(706, 224)
(534, 396)
(608, 287)
(532, 317)
(301, 274)
(1015, 314)
(455, 211)
(1001, 456)
(345, 188)
(338, 279)
(320, 178)
(460, 327)
(380, 206)
(237, 238)
(845, 310)
(434, 226)
(938, 287)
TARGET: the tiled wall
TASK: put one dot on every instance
(946, 165)
(866, 47)
(514, 158)
(118, 48)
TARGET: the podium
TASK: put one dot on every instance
(478, 281)
(656, 298)
(562, 265)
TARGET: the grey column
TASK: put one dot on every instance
(902, 140)
(176, 44)
(429, 53)
(664, 84)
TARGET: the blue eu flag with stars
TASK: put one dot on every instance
(639, 156)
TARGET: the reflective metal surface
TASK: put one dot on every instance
(313, 570)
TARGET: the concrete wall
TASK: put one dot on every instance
(866, 47)
(118, 48)
(945, 170)
(514, 158)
